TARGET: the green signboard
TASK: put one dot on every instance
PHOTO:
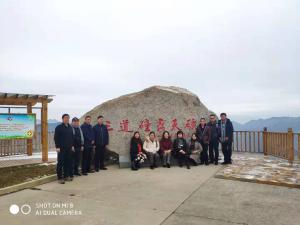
(17, 126)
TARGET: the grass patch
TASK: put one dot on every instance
(19, 174)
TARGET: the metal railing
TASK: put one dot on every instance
(248, 141)
(19, 146)
(280, 144)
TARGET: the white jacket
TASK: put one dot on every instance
(150, 146)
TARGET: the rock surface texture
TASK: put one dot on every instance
(156, 109)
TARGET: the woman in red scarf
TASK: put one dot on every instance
(136, 151)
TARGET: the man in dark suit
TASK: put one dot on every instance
(226, 137)
(101, 140)
(64, 143)
(214, 140)
(89, 141)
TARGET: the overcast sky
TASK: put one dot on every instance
(241, 57)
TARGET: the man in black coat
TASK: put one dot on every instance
(64, 143)
(101, 140)
(203, 134)
(89, 141)
(78, 146)
(226, 137)
(214, 139)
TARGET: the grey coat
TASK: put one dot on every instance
(196, 156)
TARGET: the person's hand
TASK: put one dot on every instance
(93, 142)
(73, 149)
(81, 148)
(58, 149)
(226, 139)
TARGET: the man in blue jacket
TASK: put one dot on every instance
(89, 141)
(226, 137)
(101, 140)
(64, 143)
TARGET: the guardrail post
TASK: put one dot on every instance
(298, 146)
(290, 145)
(265, 147)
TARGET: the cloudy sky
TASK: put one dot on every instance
(241, 57)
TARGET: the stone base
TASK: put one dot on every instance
(124, 161)
(266, 170)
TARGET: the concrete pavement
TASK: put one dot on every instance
(163, 196)
(115, 196)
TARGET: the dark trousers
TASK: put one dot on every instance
(75, 160)
(204, 154)
(214, 150)
(227, 151)
(183, 159)
(99, 157)
(86, 159)
(135, 164)
(153, 158)
(63, 163)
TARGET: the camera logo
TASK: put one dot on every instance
(15, 209)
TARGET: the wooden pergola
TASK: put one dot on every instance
(29, 100)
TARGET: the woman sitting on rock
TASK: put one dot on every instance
(181, 150)
(151, 147)
(166, 148)
(195, 149)
(136, 151)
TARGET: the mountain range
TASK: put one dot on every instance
(273, 124)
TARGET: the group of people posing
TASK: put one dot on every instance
(75, 143)
(87, 144)
(202, 148)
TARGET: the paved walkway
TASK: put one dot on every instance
(163, 196)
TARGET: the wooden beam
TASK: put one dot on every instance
(29, 141)
(44, 130)
(16, 101)
(23, 100)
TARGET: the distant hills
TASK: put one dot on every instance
(52, 123)
(273, 124)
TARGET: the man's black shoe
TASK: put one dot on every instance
(103, 168)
